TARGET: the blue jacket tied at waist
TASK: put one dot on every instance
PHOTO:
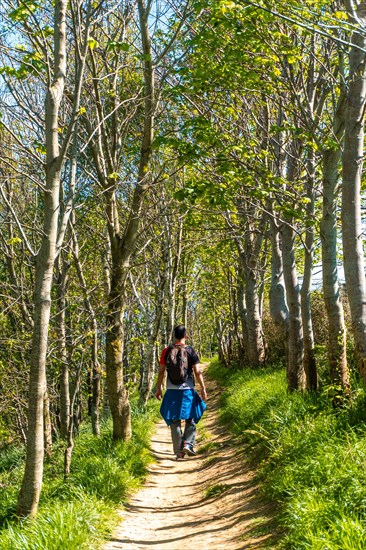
(182, 405)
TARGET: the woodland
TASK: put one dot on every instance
(164, 162)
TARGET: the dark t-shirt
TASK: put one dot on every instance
(193, 359)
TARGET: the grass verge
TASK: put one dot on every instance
(82, 511)
(312, 457)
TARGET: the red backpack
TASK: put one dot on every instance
(177, 364)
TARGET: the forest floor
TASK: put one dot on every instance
(207, 502)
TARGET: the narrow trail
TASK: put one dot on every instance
(172, 510)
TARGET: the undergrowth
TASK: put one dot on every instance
(77, 513)
(215, 490)
(312, 457)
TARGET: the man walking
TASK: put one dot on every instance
(181, 401)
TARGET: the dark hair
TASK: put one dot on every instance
(180, 332)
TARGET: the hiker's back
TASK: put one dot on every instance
(177, 364)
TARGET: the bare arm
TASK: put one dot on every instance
(158, 392)
(199, 377)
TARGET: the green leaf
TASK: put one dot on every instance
(118, 46)
(22, 12)
(113, 176)
(14, 240)
(92, 43)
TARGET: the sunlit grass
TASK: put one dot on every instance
(80, 512)
(206, 447)
(312, 456)
(215, 490)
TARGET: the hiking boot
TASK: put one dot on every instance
(188, 450)
(179, 456)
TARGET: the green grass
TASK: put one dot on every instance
(312, 457)
(11, 456)
(206, 447)
(215, 490)
(82, 511)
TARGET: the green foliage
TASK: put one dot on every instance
(313, 456)
(71, 525)
(23, 11)
(215, 490)
(10, 457)
(79, 512)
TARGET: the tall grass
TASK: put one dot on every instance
(80, 512)
(312, 457)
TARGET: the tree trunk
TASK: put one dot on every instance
(148, 368)
(172, 262)
(256, 348)
(123, 247)
(95, 370)
(62, 281)
(277, 293)
(33, 474)
(339, 373)
(296, 377)
(70, 428)
(250, 259)
(117, 393)
(184, 290)
(295, 369)
(96, 373)
(242, 312)
(47, 425)
(351, 185)
(222, 348)
(309, 352)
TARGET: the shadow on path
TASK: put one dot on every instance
(172, 510)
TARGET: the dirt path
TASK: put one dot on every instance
(173, 510)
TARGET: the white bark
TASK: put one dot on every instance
(277, 293)
(33, 474)
(351, 183)
(309, 352)
(328, 231)
(295, 368)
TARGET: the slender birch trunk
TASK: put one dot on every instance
(62, 281)
(339, 373)
(352, 163)
(295, 368)
(184, 290)
(172, 258)
(242, 312)
(309, 352)
(95, 369)
(150, 359)
(256, 348)
(153, 322)
(47, 425)
(70, 429)
(277, 293)
(50, 244)
(123, 248)
(33, 474)
(250, 259)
